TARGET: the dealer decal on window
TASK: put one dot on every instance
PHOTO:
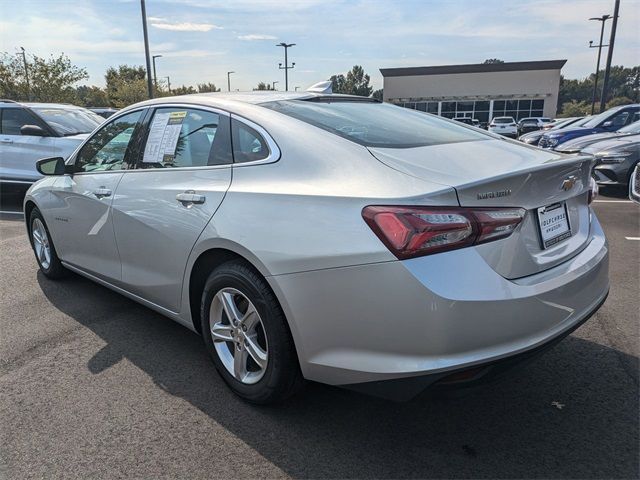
(163, 137)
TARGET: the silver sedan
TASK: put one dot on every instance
(328, 237)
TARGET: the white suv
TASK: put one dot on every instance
(504, 126)
(31, 131)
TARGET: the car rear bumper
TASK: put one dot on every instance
(433, 315)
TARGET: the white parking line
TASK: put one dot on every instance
(632, 238)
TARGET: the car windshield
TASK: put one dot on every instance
(69, 121)
(598, 119)
(503, 120)
(631, 128)
(375, 124)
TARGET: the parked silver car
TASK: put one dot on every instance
(31, 131)
(328, 237)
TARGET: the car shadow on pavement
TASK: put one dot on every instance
(571, 413)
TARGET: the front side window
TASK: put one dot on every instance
(109, 147)
(248, 144)
(186, 137)
(13, 119)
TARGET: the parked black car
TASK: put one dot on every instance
(616, 158)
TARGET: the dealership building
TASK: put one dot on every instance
(482, 91)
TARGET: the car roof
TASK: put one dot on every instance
(253, 98)
(14, 104)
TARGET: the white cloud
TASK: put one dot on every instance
(256, 36)
(185, 26)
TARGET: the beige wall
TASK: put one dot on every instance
(540, 83)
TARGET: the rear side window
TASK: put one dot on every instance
(377, 124)
(186, 137)
(13, 119)
(248, 144)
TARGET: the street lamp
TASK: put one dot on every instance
(602, 19)
(273, 86)
(229, 81)
(26, 73)
(155, 78)
(146, 47)
(168, 84)
(286, 64)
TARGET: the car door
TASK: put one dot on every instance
(161, 207)
(79, 211)
(19, 153)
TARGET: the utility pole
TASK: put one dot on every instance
(286, 67)
(155, 78)
(602, 19)
(168, 84)
(146, 48)
(26, 73)
(607, 71)
(229, 81)
(273, 85)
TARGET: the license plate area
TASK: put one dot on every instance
(553, 222)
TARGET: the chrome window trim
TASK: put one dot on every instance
(274, 150)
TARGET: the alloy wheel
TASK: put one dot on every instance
(41, 243)
(239, 336)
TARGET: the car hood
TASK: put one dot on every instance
(612, 144)
(577, 144)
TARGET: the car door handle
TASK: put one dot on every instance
(102, 192)
(190, 197)
(6, 140)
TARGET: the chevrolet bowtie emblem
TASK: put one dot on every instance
(568, 183)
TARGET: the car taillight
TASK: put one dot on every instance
(416, 231)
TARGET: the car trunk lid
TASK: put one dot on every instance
(498, 173)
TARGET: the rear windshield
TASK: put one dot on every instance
(377, 124)
(503, 120)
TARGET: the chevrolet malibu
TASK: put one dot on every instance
(328, 237)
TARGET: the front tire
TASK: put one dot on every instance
(43, 247)
(247, 336)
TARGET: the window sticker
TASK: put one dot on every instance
(163, 137)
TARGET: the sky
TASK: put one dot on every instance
(201, 40)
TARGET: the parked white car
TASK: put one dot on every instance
(504, 126)
(31, 131)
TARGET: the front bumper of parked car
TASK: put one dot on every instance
(427, 318)
(614, 173)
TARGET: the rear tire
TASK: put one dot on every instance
(253, 349)
(43, 247)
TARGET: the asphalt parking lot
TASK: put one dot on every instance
(93, 385)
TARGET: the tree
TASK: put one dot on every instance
(493, 60)
(576, 109)
(378, 94)
(126, 85)
(356, 82)
(183, 90)
(50, 79)
(91, 96)
(207, 87)
(264, 86)
(614, 102)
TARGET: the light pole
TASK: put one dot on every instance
(155, 78)
(26, 73)
(146, 48)
(273, 86)
(602, 19)
(296, 88)
(229, 81)
(286, 64)
(168, 84)
(607, 70)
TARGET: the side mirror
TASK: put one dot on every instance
(51, 166)
(608, 123)
(32, 130)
